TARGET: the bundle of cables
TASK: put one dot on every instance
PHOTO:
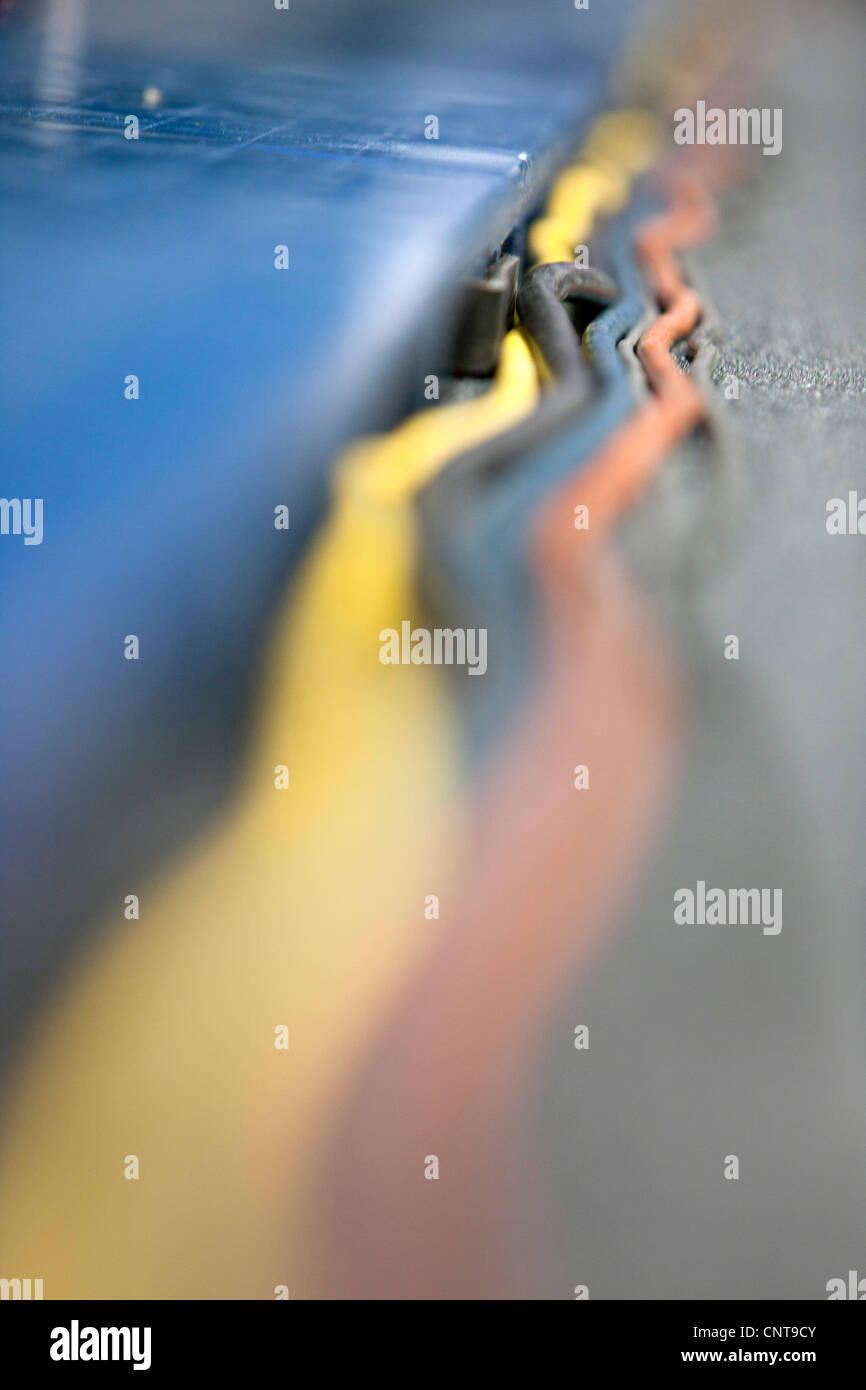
(331, 998)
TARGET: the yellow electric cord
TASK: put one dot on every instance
(303, 909)
(621, 145)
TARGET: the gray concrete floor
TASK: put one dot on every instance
(712, 1041)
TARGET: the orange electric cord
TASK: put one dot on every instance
(612, 480)
(543, 874)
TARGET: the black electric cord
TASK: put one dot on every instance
(540, 302)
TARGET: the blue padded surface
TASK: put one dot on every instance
(155, 257)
